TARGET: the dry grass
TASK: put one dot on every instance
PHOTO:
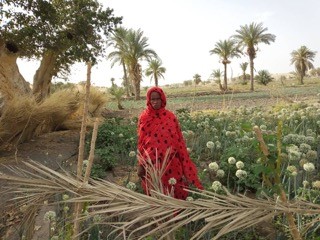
(23, 118)
(141, 215)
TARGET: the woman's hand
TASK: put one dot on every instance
(141, 171)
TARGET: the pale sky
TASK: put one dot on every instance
(182, 32)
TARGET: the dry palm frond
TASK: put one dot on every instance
(225, 212)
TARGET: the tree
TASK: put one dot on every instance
(243, 67)
(302, 59)
(225, 50)
(118, 42)
(59, 33)
(263, 77)
(155, 70)
(217, 76)
(250, 36)
(197, 79)
(137, 50)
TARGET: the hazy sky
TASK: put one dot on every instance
(182, 32)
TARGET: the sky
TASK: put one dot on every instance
(182, 32)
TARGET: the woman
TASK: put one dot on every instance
(160, 140)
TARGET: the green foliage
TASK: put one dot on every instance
(116, 139)
(187, 82)
(118, 93)
(74, 30)
(197, 79)
(263, 77)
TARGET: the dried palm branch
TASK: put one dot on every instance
(139, 212)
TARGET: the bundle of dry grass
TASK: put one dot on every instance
(23, 118)
(225, 213)
(97, 102)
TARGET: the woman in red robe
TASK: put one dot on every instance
(158, 133)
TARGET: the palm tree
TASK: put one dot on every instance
(250, 36)
(137, 50)
(217, 76)
(302, 60)
(226, 49)
(118, 42)
(243, 67)
(155, 70)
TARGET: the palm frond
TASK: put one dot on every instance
(133, 214)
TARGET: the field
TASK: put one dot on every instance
(221, 132)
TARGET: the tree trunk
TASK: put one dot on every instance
(42, 78)
(225, 79)
(135, 75)
(251, 74)
(125, 78)
(156, 80)
(11, 81)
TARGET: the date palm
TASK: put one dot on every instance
(155, 70)
(243, 67)
(118, 42)
(302, 59)
(135, 51)
(250, 36)
(226, 50)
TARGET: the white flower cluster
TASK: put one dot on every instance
(240, 165)
(231, 160)
(210, 145)
(213, 166)
(132, 154)
(172, 181)
(308, 167)
(241, 174)
(50, 215)
(216, 186)
(292, 170)
(131, 185)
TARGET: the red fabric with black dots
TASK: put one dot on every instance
(159, 130)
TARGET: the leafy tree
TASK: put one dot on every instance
(302, 59)
(250, 36)
(217, 76)
(197, 79)
(118, 42)
(58, 33)
(263, 77)
(226, 49)
(155, 70)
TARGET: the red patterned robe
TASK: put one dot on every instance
(159, 130)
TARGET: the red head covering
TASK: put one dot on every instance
(162, 96)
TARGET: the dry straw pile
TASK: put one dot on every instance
(23, 118)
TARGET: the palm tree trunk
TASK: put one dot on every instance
(225, 80)
(125, 78)
(251, 74)
(156, 80)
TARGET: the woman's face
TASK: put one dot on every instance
(155, 100)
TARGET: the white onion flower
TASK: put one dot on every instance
(239, 164)
(316, 184)
(216, 186)
(172, 181)
(308, 167)
(210, 144)
(214, 166)
(231, 160)
(131, 185)
(132, 154)
(241, 174)
(220, 173)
